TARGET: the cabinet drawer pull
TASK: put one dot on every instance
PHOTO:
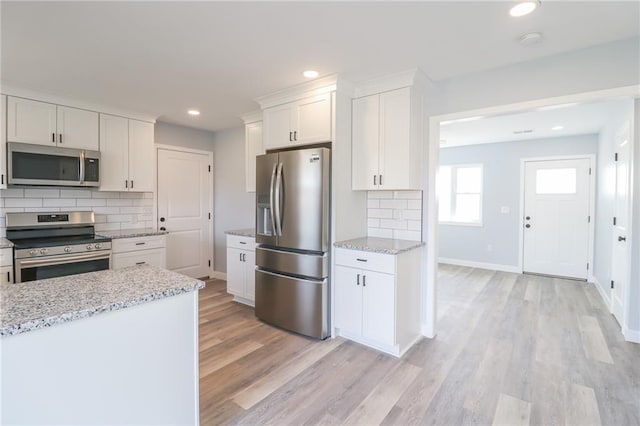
(379, 180)
(243, 242)
(295, 135)
(140, 263)
(290, 135)
(361, 260)
(53, 137)
(375, 177)
(364, 281)
(358, 280)
(141, 244)
(60, 138)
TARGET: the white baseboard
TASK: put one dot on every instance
(631, 335)
(426, 332)
(603, 294)
(219, 275)
(481, 265)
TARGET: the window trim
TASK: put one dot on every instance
(453, 193)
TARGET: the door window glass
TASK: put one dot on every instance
(556, 181)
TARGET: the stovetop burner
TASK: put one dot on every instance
(28, 243)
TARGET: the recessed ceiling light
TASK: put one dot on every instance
(523, 8)
(530, 38)
(310, 74)
(193, 112)
(557, 128)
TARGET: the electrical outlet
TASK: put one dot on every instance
(505, 210)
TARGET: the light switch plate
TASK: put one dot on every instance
(505, 210)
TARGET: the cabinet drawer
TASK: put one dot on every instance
(6, 257)
(123, 245)
(155, 257)
(244, 243)
(378, 262)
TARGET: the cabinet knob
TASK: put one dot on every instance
(162, 228)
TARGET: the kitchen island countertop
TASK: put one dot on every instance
(131, 233)
(379, 245)
(44, 303)
(4, 243)
(247, 232)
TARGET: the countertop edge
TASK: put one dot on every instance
(362, 247)
(247, 232)
(41, 323)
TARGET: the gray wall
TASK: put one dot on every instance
(634, 288)
(186, 137)
(233, 206)
(501, 186)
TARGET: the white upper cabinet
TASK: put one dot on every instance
(141, 156)
(305, 121)
(253, 148)
(127, 151)
(77, 128)
(44, 123)
(387, 141)
(3, 142)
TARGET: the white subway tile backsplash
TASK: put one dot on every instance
(41, 193)
(408, 195)
(373, 204)
(91, 202)
(23, 202)
(119, 202)
(414, 204)
(98, 194)
(12, 193)
(414, 225)
(393, 224)
(58, 202)
(395, 214)
(393, 204)
(75, 193)
(412, 214)
(380, 194)
(373, 223)
(381, 213)
(382, 233)
(407, 235)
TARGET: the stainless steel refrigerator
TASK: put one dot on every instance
(292, 233)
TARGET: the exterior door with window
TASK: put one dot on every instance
(556, 217)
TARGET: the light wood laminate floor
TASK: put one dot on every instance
(511, 349)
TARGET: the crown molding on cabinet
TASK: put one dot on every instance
(308, 89)
(45, 97)
(252, 117)
(412, 77)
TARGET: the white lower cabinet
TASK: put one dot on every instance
(6, 266)
(377, 298)
(241, 263)
(147, 250)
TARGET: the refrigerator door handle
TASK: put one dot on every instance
(277, 200)
(271, 200)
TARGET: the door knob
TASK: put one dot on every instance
(621, 238)
(162, 219)
(162, 228)
(527, 226)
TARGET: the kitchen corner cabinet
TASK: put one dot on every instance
(302, 122)
(377, 298)
(43, 123)
(127, 154)
(6, 266)
(241, 265)
(3, 142)
(387, 132)
(253, 148)
(146, 250)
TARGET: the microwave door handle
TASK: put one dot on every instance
(278, 201)
(82, 170)
(271, 200)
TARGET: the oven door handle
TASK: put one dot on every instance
(61, 260)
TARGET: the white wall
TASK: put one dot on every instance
(186, 137)
(233, 206)
(633, 322)
(501, 188)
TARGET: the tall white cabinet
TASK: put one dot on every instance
(3, 142)
(42, 123)
(253, 146)
(127, 150)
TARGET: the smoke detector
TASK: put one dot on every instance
(529, 39)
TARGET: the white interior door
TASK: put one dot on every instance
(620, 254)
(556, 217)
(184, 200)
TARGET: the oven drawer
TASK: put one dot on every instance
(155, 257)
(123, 245)
(6, 257)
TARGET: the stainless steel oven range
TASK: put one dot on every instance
(48, 245)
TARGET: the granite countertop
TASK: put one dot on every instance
(4, 243)
(130, 233)
(379, 245)
(248, 232)
(44, 303)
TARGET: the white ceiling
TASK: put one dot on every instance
(162, 58)
(578, 119)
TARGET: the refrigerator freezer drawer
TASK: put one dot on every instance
(292, 303)
(287, 262)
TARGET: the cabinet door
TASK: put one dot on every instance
(141, 157)
(236, 272)
(77, 128)
(378, 307)
(250, 275)
(155, 257)
(365, 140)
(31, 121)
(114, 153)
(311, 120)
(277, 127)
(253, 147)
(348, 300)
(395, 142)
(3, 142)
(6, 275)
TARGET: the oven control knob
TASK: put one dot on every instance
(33, 252)
(43, 251)
(89, 247)
(98, 246)
(67, 249)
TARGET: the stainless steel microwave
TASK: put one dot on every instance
(40, 165)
